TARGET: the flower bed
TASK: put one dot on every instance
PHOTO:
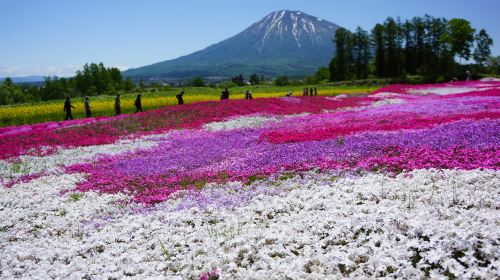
(399, 183)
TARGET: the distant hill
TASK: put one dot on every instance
(24, 80)
(285, 42)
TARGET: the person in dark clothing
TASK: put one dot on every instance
(138, 103)
(118, 107)
(67, 109)
(310, 91)
(304, 92)
(248, 95)
(180, 100)
(288, 94)
(315, 92)
(224, 94)
(86, 104)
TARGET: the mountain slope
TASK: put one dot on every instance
(282, 43)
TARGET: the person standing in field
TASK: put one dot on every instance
(86, 104)
(224, 94)
(315, 92)
(180, 100)
(248, 95)
(118, 107)
(304, 92)
(67, 109)
(138, 103)
(310, 91)
(468, 75)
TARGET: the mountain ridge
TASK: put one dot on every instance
(284, 42)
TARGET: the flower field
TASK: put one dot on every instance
(103, 105)
(402, 182)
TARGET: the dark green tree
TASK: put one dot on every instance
(393, 47)
(333, 69)
(281, 81)
(238, 80)
(493, 65)
(379, 44)
(343, 57)
(197, 82)
(360, 53)
(460, 36)
(323, 73)
(482, 51)
(142, 85)
(254, 79)
(129, 84)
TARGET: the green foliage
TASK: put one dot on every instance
(10, 93)
(76, 196)
(482, 51)
(254, 79)
(360, 53)
(281, 81)
(197, 82)
(423, 46)
(460, 37)
(343, 56)
(94, 79)
(227, 84)
(493, 65)
(238, 80)
(378, 39)
(322, 74)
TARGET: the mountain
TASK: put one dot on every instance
(285, 42)
(27, 79)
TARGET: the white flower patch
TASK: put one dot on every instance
(55, 163)
(433, 222)
(390, 101)
(446, 90)
(383, 95)
(338, 97)
(246, 122)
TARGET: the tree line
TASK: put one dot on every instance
(424, 46)
(94, 79)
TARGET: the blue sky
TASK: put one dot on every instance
(56, 37)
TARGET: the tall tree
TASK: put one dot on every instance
(482, 51)
(343, 54)
(360, 53)
(410, 49)
(460, 36)
(393, 47)
(379, 43)
(419, 41)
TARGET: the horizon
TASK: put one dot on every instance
(54, 39)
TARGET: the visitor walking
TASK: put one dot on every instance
(310, 91)
(224, 94)
(248, 95)
(315, 92)
(468, 76)
(138, 103)
(304, 92)
(86, 105)
(118, 107)
(67, 109)
(180, 100)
